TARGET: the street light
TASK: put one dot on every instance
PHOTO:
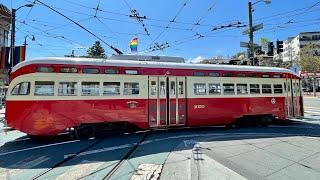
(251, 45)
(13, 30)
(25, 39)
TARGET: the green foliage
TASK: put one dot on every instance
(96, 50)
(309, 62)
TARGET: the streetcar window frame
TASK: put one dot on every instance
(214, 88)
(255, 89)
(131, 88)
(19, 93)
(228, 89)
(114, 88)
(266, 90)
(111, 71)
(90, 71)
(68, 70)
(90, 88)
(47, 85)
(199, 74)
(74, 88)
(43, 69)
(277, 89)
(200, 88)
(242, 89)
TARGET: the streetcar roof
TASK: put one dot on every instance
(148, 64)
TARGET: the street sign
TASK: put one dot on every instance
(246, 45)
(254, 28)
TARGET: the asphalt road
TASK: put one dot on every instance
(289, 151)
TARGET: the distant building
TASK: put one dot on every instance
(292, 46)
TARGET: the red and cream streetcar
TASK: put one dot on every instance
(49, 96)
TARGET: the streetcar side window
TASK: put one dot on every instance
(111, 88)
(44, 88)
(67, 89)
(111, 71)
(68, 70)
(22, 88)
(45, 69)
(199, 88)
(214, 89)
(254, 88)
(131, 88)
(242, 89)
(228, 89)
(90, 88)
(180, 87)
(266, 89)
(277, 88)
(90, 71)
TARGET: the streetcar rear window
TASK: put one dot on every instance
(90, 88)
(228, 89)
(214, 89)
(68, 70)
(44, 88)
(111, 88)
(277, 88)
(131, 88)
(45, 69)
(266, 89)
(22, 88)
(242, 89)
(254, 88)
(199, 88)
(67, 89)
(111, 71)
(90, 71)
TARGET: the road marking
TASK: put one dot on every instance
(27, 163)
(147, 172)
(37, 147)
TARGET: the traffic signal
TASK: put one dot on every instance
(279, 46)
(270, 49)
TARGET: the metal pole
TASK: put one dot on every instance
(251, 35)
(13, 29)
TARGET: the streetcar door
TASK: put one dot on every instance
(167, 102)
(177, 101)
(289, 98)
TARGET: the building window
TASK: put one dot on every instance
(90, 71)
(214, 89)
(266, 89)
(45, 69)
(199, 88)
(111, 71)
(111, 88)
(44, 88)
(90, 88)
(22, 88)
(67, 89)
(242, 89)
(254, 88)
(131, 88)
(228, 89)
(68, 70)
(277, 88)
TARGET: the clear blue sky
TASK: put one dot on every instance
(55, 36)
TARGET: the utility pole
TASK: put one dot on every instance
(251, 46)
(13, 29)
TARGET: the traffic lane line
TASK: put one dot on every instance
(48, 156)
(100, 159)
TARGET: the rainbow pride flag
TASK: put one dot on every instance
(134, 45)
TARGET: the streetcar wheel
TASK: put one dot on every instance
(84, 132)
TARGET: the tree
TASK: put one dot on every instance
(310, 62)
(96, 50)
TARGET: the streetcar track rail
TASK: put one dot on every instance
(126, 157)
(68, 158)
